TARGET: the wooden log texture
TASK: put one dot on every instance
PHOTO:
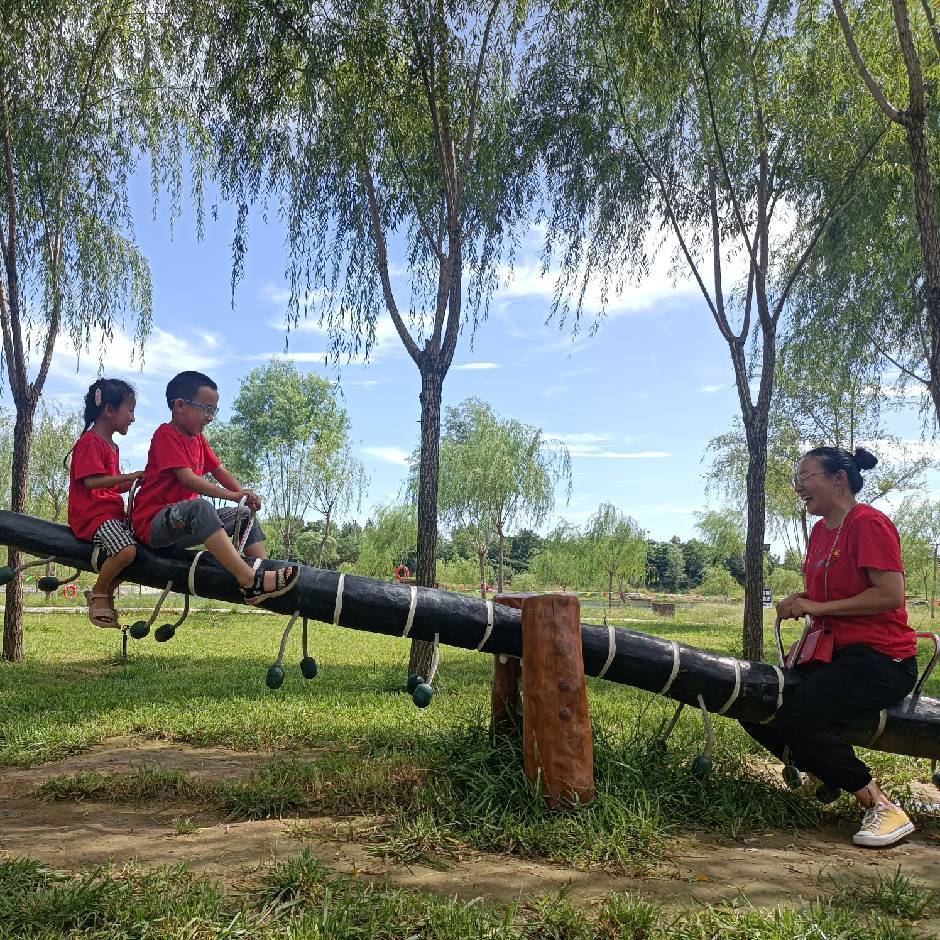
(556, 733)
(505, 704)
(625, 656)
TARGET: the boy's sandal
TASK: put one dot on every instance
(285, 577)
(100, 617)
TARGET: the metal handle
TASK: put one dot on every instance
(807, 628)
(779, 638)
(130, 496)
(929, 668)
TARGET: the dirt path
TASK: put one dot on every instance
(769, 869)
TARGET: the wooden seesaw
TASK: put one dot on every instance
(556, 651)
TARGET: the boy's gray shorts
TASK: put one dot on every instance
(191, 522)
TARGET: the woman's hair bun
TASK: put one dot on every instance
(864, 459)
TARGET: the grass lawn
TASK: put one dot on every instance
(431, 772)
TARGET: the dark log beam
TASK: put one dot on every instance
(643, 661)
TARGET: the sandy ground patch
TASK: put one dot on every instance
(768, 869)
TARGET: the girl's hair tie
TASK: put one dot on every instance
(98, 396)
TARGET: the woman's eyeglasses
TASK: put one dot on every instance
(800, 478)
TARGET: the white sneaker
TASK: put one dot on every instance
(883, 825)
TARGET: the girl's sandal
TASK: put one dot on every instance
(100, 616)
(285, 577)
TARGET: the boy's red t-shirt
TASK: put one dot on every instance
(868, 540)
(93, 456)
(170, 449)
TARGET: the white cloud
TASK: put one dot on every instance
(553, 390)
(904, 449)
(581, 437)
(291, 354)
(211, 340)
(664, 281)
(588, 444)
(363, 383)
(164, 355)
(388, 454)
(665, 509)
(468, 366)
(711, 389)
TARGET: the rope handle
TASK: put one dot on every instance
(239, 538)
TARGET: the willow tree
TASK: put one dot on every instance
(380, 129)
(827, 392)
(618, 548)
(702, 122)
(290, 430)
(496, 473)
(885, 259)
(81, 92)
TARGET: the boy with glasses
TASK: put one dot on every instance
(167, 511)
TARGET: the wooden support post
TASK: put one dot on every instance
(505, 705)
(557, 726)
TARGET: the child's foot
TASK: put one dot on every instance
(270, 581)
(100, 611)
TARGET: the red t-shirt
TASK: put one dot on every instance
(868, 540)
(170, 449)
(93, 456)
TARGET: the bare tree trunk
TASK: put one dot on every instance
(610, 588)
(422, 652)
(13, 614)
(930, 245)
(481, 556)
(500, 585)
(326, 535)
(753, 633)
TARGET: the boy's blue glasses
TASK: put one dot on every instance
(210, 410)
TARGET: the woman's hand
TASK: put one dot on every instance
(803, 605)
(785, 606)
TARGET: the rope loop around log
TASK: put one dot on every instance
(737, 688)
(675, 668)
(412, 606)
(489, 624)
(338, 608)
(191, 577)
(611, 651)
(780, 682)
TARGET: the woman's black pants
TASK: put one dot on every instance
(850, 690)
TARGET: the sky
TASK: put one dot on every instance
(635, 400)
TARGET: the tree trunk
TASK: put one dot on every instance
(326, 535)
(930, 246)
(500, 586)
(19, 478)
(422, 652)
(481, 556)
(753, 635)
(610, 589)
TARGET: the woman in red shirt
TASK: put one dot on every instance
(854, 581)
(96, 484)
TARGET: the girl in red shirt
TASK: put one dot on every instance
(854, 589)
(96, 484)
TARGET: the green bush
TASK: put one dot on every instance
(463, 571)
(783, 581)
(719, 582)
